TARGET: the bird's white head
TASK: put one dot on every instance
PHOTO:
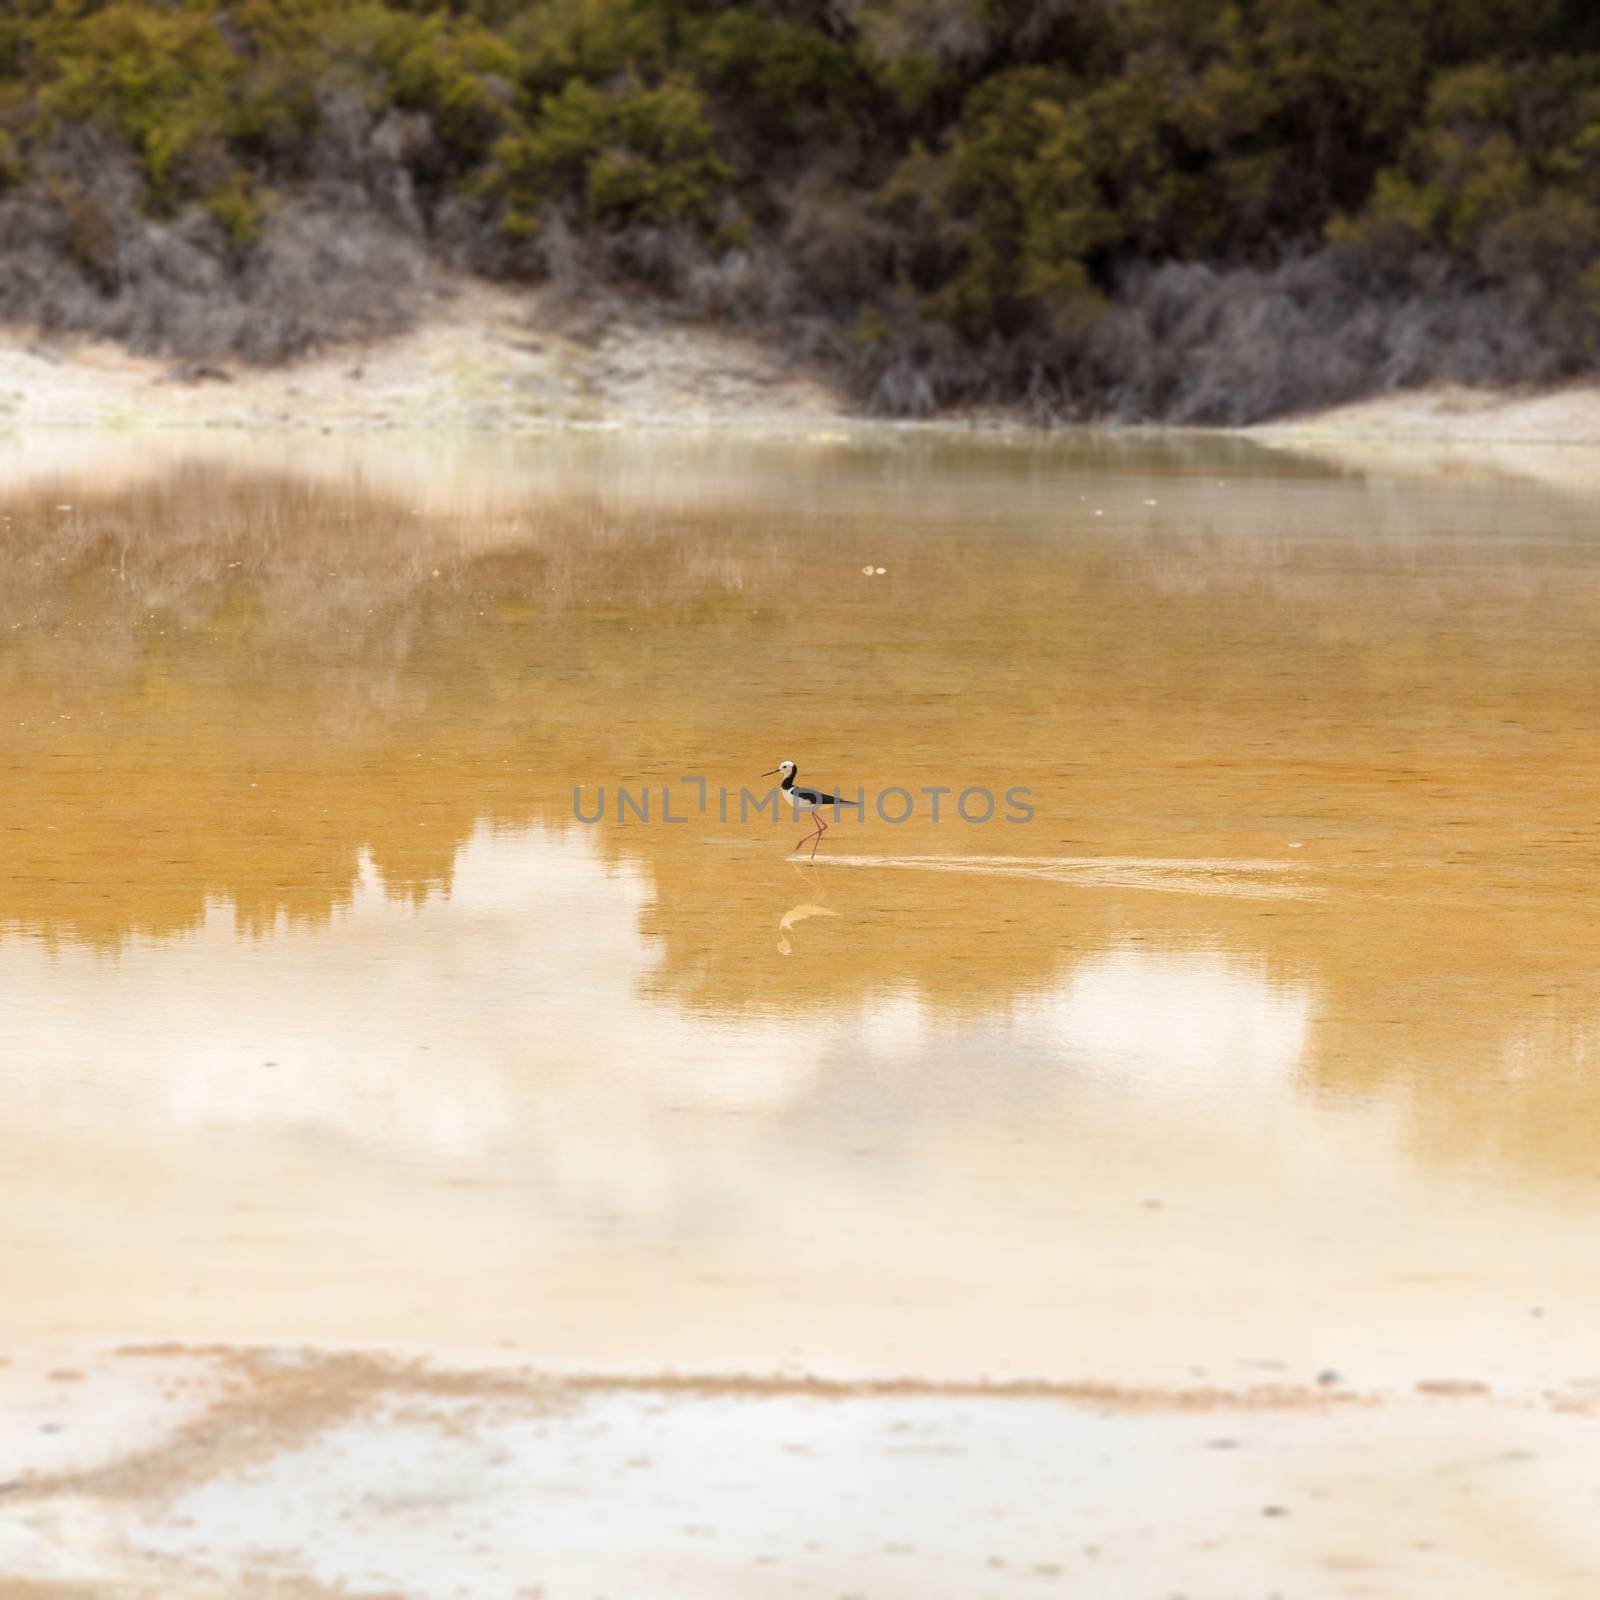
(785, 767)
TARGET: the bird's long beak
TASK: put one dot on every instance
(768, 774)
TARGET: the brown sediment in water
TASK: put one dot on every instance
(267, 1405)
(369, 1448)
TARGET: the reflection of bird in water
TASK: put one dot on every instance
(797, 914)
(806, 908)
(812, 801)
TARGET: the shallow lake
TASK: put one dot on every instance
(1267, 1042)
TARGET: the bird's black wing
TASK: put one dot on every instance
(815, 797)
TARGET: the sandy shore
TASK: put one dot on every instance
(486, 358)
(1568, 416)
(1455, 434)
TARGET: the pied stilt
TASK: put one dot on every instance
(812, 801)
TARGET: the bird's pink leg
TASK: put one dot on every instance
(822, 828)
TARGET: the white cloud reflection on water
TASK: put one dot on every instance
(440, 1027)
(480, 1122)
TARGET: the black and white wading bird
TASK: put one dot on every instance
(811, 801)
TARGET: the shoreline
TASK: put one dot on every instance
(489, 359)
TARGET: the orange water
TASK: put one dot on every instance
(1272, 1037)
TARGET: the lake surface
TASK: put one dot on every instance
(1270, 1043)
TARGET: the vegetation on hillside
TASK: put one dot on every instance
(1191, 210)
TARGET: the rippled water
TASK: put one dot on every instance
(1272, 1037)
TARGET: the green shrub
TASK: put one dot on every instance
(237, 211)
(163, 77)
(458, 73)
(634, 155)
(1471, 181)
(12, 168)
(562, 41)
(785, 79)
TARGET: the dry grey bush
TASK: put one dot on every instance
(835, 243)
(956, 32)
(81, 253)
(1186, 343)
(1191, 344)
(316, 276)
